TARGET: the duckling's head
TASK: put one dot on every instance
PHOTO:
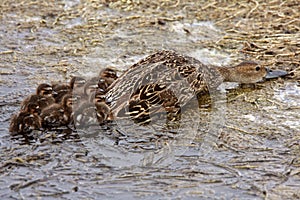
(109, 75)
(33, 108)
(44, 89)
(102, 84)
(91, 86)
(59, 91)
(97, 96)
(68, 101)
(77, 82)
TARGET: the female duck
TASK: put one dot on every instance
(165, 81)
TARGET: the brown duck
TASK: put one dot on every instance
(165, 81)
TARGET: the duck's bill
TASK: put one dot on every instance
(275, 73)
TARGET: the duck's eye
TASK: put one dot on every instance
(257, 68)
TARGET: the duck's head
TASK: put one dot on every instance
(44, 89)
(249, 72)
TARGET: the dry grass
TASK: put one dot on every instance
(268, 32)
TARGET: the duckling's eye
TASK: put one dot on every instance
(257, 68)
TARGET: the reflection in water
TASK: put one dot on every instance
(142, 145)
(289, 94)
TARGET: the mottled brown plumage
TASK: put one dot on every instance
(24, 122)
(162, 82)
(58, 114)
(42, 98)
(109, 75)
(60, 90)
(165, 81)
(89, 114)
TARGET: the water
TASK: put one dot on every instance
(251, 142)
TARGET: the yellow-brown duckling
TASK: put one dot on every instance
(89, 114)
(42, 98)
(60, 90)
(25, 122)
(58, 114)
(109, 75)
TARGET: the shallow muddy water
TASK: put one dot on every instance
(244, 146)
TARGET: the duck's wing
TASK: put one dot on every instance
(180, 75)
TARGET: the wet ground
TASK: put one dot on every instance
(244, 146)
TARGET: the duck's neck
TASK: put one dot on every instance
(228, 74)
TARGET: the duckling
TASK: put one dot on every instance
(42, 98)
(59, 91)
(44, 89)
(167, 80)
(82, 88)
(32, 108)
(24, 122)
(104, 113)
(97, 96)
(77, 82)
(109, 75)
(85, 115)
(102, 84)
(77, 85)
(90, 114)
(60, 114)
(90, 87)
